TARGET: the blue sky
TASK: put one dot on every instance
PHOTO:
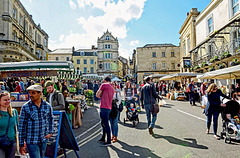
(79, 23)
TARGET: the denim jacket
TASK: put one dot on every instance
(146, 94)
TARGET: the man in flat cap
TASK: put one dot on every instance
(35, 123)
(54, 97)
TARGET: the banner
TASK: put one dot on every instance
(39, 73)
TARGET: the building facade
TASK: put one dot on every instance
(107, 55)
(86, 61)
(122, 67)
(157, 59)
(60, 54)
(187, 39)
(20, 38)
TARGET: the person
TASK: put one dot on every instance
(213, 95)
(233, 123)
(148, 97)
(114, 121)
(237, 88)
(22, 85)
(78, 86)
(191, 92)
(64, 87)
(90, 85)
(36, 123)
(8, 121)
(54, 97)
(129, 91)
(18, 87)
(95, 89)
(106, 93)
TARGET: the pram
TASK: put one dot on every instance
(131, 112)
(232, 107)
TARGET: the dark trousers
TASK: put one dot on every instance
(104, 115)
(192, 98)
(213, 113)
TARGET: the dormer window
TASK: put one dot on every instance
(82, 53)
(107, 38)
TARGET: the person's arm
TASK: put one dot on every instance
(99, 92)
(141, 96)
(61, 102)
(133, 92)
(223, 95)
(155, 95)
(50, 123)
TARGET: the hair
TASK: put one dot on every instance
(204, 82)
(17, 82)
(9, 109)
(211, 87)
(148, 79)
(108, 79)
(127, 85)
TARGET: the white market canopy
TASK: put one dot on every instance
(157, 75)
(36, 65)
(116, 79)
(232, 72)
(178, 76)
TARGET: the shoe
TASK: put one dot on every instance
(150, 129)
(114, 140)
(216, 137)
(106, 144)
(207, 131)
(113, 137)
(101, 140)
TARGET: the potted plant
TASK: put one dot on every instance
(196, 67)
(234, 62)
(186, 66)
(191, 68)
(213, 59)
(211, 68)
(204, 64)
(221, 66)
(225, 55)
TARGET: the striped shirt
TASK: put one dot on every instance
(35, 123)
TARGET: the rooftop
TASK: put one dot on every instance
(159, 45)
(62, 51)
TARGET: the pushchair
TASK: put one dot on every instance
(232, 107)
(131, 112)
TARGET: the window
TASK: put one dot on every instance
(14, 35)
(20, 20)
(77, 70)
(163, 54)
(39, 39)
(78, 61)
(154, 54)
(108, 55)
(163, 65)
(91, 61)
(82, 53)
(107, 38)
(57, 58)
(173, 66)
(188, 44)
(45, 42)
(30, 30)
(210, 25)
(85, 70)
(26, 26)
(154, 66)
(184, 49)
(85, 61)
(107, 46)
(67, 58)
(14, 13)
(172, 54)
(107, 66)
(235, 6)
(92, 70)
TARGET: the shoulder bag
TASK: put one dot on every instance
(4, 141)
(114, 110)
(155, 107)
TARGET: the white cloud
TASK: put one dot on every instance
(72, 5)
(115, 17)
(124, 53)
(134, 43)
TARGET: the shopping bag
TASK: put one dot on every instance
(204, 101)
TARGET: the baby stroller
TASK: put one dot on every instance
(131, 112)
(232, 107)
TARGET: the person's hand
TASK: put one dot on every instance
(223, 105)
(48, 136)
(23, 150)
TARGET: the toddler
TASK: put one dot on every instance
(234, 124)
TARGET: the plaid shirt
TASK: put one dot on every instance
(35, 123)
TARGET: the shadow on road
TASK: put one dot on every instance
(140, 125)
(188, 142)
(133, 151)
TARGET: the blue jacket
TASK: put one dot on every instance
(146, 97)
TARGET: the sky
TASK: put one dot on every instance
(135, 23)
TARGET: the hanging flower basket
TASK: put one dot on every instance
(196, 67)
(221, 66)
(225, 55)
(204, 64)
(211, 69)
(215, 58)
(186, 66)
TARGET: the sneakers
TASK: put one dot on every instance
(207, 131)
(101, 140)
(150, 129)
(114, 139)
(106, 144)
(216, 137)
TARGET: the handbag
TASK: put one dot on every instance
(4, 141)
(114, 110)
(155, 107)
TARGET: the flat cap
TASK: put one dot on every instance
(35, 88)
(49, 83)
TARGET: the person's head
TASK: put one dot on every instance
(16, 82)
(107, 79)
(50, 86)
(148, 79)
(131, 105)
(192, 81)
(5, 102)
(128, 84)
(35, 92)
(228, 116)
(65, 94)
(205, 83)
(212, 88)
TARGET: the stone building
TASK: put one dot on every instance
(122, 67)
(60, 54)
(157, 59)
(20, 38)
(107, 55)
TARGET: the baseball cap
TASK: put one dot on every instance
(35, 88)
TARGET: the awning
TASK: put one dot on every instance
(232, 72)
(178, 76)
(116, 79)
(36, 65)
(157, 75)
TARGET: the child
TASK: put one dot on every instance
(234, 124)
(131, 108)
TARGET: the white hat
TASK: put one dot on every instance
(35, 88)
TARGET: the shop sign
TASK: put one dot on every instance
(40, 73)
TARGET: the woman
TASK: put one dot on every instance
(64, 87)
(8, 120)
(114, 121)
(213, 94)
(18, 87)
(129, 91)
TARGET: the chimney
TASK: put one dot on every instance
(187, 13)
(93, 47)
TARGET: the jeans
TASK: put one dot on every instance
(94, 95)
(104, 115)
(79, 91)
(10, 152)
(151, 122)
(192, 97)
(114, 125)
(214, 113)
(37, 150)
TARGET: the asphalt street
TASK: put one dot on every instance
(180, 132)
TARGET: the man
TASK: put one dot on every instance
(78, 86)
(95, 89)
(90, 85)
(36, 124)
(149, 95)
(106, 93)
(54, 97)
(191, 90)
(22, 85)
